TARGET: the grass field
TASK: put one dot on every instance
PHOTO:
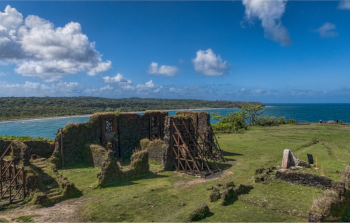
(157, 197)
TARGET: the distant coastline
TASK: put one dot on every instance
(69, 116)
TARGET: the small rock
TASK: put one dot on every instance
(150, 206)
(182, 204)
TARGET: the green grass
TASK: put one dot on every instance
(81, 174)
(24, 138)
(27, 218)
(275, 201)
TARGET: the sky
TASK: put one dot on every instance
(272, 51)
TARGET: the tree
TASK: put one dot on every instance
(253, 111)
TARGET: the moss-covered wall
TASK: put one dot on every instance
(76, 136)
(111, 170)
(95, 154)
(41, 148)
(132, 128)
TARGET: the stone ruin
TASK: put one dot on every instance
(105, 138)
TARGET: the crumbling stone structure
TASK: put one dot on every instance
(40, 148)
(305, 179)
(121, 133)
(334, 203)
(111, 171)
(187, 149)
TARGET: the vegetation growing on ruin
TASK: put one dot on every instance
(28, 107)
(24, 138)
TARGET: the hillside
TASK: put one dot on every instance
(28, 107)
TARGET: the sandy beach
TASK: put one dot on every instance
(68, 116)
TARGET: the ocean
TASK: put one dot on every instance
(47, 128)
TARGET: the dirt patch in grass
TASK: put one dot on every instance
(188, 182)
(65, 211)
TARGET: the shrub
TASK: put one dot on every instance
(144, 143)
(199, 213)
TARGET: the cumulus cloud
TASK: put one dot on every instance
(327, 30)
(37, 89)
(162, 70)
(345, 4)
(149, 87)
(209, 64)
(116, 79)
(270, 13)
(40, 49)
(121, 81)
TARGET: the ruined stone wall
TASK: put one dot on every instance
(97, 154)
(305, 179)
(76, 136)
(201, 120)
(41, 148)
(166, 157)
(155, 150)
(111, 171)
(132, 128)
(169, 142)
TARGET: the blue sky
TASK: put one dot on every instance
(250, 50)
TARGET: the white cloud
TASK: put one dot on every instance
(116, 79)
(121, 81)
(270, 13)
(37, 89)
(345, 4)
(40, 49)
(209, 64)
(162, 70)
(327, 30)
(149, 87)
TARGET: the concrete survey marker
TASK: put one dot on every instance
(288, 159)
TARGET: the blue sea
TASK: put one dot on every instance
(47, 128)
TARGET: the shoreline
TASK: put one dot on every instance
(69, 116)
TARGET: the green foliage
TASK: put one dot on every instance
(117, 112)
(27, 218)
(144, 143)
(28, 107)
(231, 122)
(265, 120)
(24, 138)
(253, 112)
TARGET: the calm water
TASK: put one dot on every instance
(301, 112)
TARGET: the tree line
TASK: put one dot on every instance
(30, 107)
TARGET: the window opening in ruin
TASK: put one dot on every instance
(109, 125)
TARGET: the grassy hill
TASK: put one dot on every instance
(274, 201)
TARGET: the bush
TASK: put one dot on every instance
(144, 143)
(24, 138)
(199, 213)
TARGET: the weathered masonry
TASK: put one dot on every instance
(190, 145)
(121, 133)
